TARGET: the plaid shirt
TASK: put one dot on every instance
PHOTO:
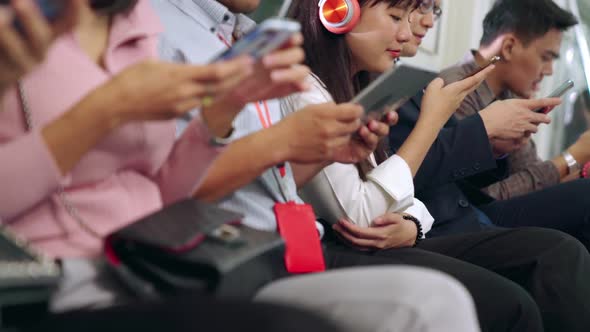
(527, 172)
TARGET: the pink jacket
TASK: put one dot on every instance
(132, 172)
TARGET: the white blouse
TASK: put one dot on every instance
(338, 192)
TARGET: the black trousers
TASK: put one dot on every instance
(521, 280)
(190, 313)
(565, 207)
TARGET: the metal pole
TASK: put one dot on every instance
(285, 8)
(582, 42)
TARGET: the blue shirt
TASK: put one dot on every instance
(192, 35)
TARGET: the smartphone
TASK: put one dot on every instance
(560, 91)
(264, 39)
(392, 88)
(490, 62)
(50, 9)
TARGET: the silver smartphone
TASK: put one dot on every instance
(560, 91)
(264, 39)
(495, 59)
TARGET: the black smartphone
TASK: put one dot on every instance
(392, 88)
(560, 91)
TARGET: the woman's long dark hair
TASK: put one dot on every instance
(110, 7)
(327, 54)
(330, 59)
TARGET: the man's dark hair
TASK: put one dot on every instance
(527, 19)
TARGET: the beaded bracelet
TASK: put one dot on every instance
(420, 233)
(585, 173)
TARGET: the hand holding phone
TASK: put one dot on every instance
(281, 74)
(557, 93)
(393, 88)
(266, 38)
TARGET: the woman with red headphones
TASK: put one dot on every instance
(344, 45)
(372, 207)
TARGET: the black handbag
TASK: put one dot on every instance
(193, 246)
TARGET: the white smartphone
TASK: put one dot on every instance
(267, 37)
(392, 87)
(560, 91)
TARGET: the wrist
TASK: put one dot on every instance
(413, 233)
(491, 132)
(219, 123)
(104, 118)
(417, 226)
(431, 120)
(105, 107)
(579, 154)
(425, 130)
(280, 151)
(490, 129)
(572, 161)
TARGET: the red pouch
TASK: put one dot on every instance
(303, 251)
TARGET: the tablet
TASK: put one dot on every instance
(395, 85)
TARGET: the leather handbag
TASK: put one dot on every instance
(194, 246)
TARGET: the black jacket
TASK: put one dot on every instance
(458, 165)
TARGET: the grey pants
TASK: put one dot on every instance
(380, 299)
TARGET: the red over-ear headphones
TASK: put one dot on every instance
(339, 16)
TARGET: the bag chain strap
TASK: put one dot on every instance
(70, 208)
